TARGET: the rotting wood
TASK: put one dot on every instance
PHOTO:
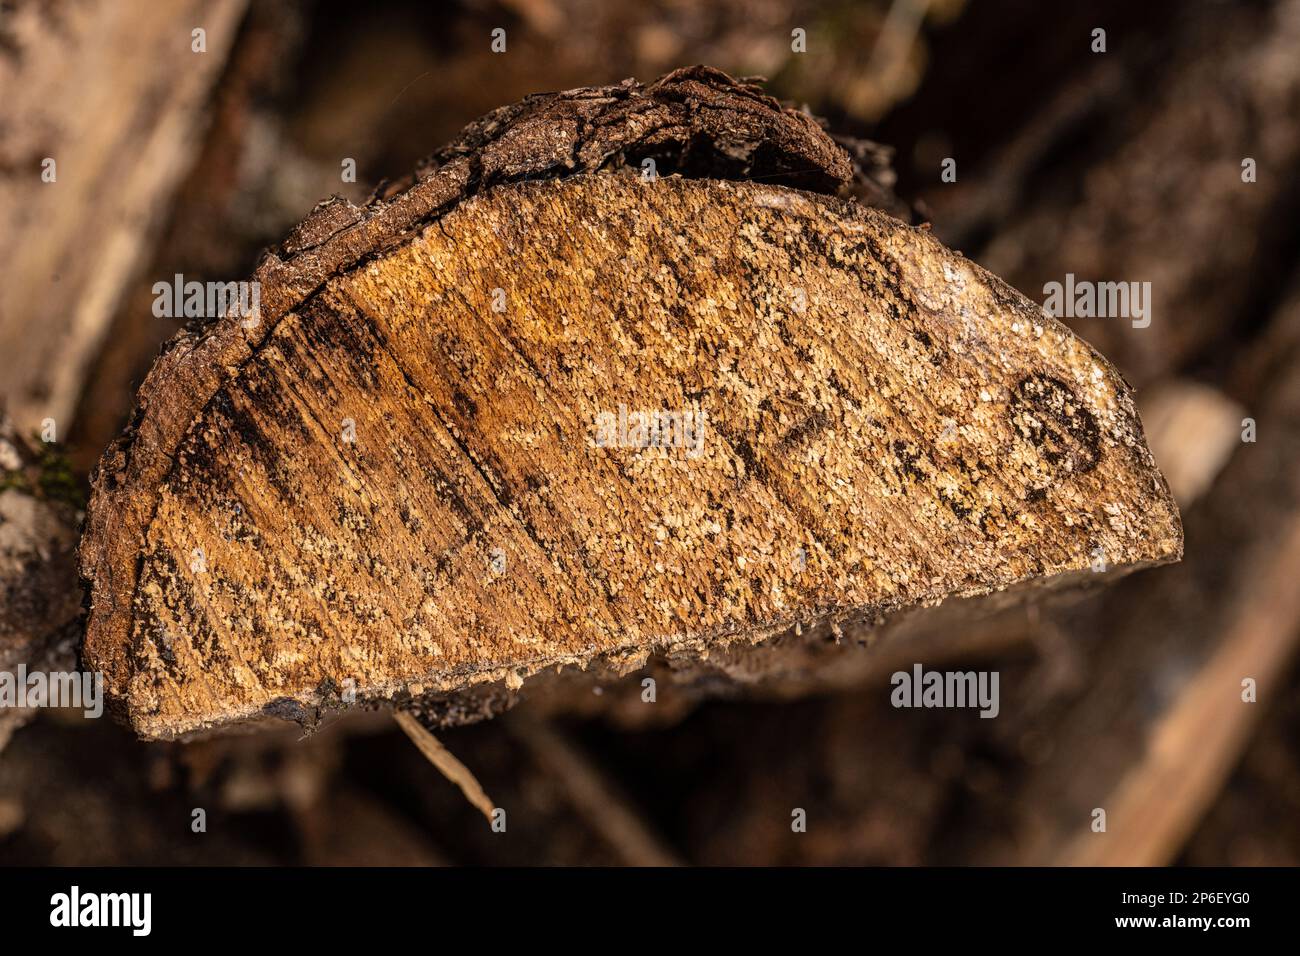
(389, 480)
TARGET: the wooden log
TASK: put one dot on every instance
(115, 101)
(416, 471)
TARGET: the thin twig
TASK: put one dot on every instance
(445, 761)
(593, 795)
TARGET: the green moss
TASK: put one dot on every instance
(50, 478)
(56, 480)
(15, 480)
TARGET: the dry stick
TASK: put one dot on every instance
(595, 796)
(901, 27)
(1194, 747)
(447, 764)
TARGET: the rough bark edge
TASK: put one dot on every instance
(757, 656)
(469, 694)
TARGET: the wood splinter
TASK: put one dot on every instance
(533, 409)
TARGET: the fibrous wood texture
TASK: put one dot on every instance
(393, 478)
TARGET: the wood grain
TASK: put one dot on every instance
(888, 426)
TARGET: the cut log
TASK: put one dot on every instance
(418, 471)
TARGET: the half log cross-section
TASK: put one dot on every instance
(430, 463)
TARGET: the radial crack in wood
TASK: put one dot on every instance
(418, 472)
